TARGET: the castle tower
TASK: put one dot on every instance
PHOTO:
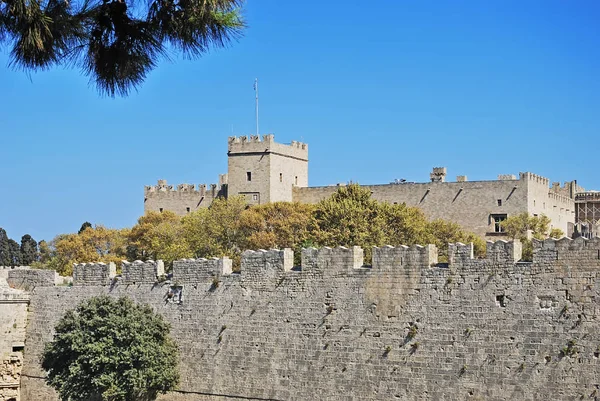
(265, 171)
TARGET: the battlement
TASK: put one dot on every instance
(93, 273)
(253, 144)
(163, 188)
(535, 178)
(200, 270)
(587, 197)
(139, 272)
(28, 279)
(265, 268)
(560, 198)
(332, 261)
(576, 251)
(499, 253)
(389, 258)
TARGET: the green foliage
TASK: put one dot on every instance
(97, 244)
(29, 250)
(14, 253)
(520, 226)
(278, 225)
(111, 350)
(85, 225)
(216, 231)
(114, 42)
(5, 255)
(349, 217)
(158, 236)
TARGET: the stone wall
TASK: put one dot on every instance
(472, 204)
(405, 328)
(183, 199)
(13, 319)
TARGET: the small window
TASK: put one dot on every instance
(161, 209)
(280, 177)
(296, 180)
(17, 348)
(534, 203)
(497, 219)
(187, 209)
(499, 202)
(255, 197)
(248, 176)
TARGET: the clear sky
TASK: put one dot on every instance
(378, 92)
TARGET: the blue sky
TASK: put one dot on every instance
(481, 87)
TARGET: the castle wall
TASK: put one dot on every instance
(554, 202)
(183, 199)
(13, 320)
(334, 329)
(470, 204)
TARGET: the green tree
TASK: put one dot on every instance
(158, 236)
(278, 225)
(85, 225)
(97, 244)
(216, 231)
(114, 42)
(45, 251)
(443, 232)
(29, 250)
(5, 256)
(111, 350)
(349, 217)
(14, 251)
(522, 226)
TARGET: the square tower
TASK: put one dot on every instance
(265, 171)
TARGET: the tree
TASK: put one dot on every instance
(158, 236)
(522, 226)
(98, 244)
(278, 225)
(111, 350)
(349, 217)
(216, 231)
(85, 225)
(5, 257)
(114, 42)
(29, 250)
(443, 232)
(14, 253)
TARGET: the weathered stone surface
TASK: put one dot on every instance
(487, 329)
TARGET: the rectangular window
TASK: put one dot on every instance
(499, 202)
(187, 209)
(280, 177)
(255, 197)
(497, 219)
(248, 176)
(161, 209)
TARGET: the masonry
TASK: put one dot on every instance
(404, 328)
(265, 171)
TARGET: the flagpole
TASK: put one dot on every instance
(256, 91)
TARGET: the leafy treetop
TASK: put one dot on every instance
(111, 350)
(114, 42)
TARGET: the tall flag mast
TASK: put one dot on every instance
(256, 92)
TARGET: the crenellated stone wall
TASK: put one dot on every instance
(405, 328)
